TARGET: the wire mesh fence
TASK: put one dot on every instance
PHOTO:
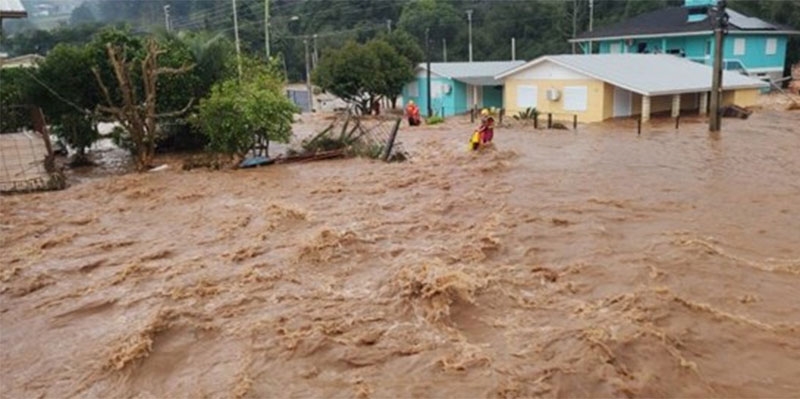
(27, 162)
(359, 135)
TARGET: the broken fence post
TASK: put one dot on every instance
(677, 121)
(549, 120)
(639, 126)
(575, 122)
(536, 120)
(472, 115)
(388, 151)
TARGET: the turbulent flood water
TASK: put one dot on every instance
(560, 264)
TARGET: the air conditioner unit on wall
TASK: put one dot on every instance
(553, 94)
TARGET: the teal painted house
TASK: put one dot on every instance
(752, 46)
(458, 86)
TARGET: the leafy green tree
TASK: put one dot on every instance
(67, 94)
(15, 92)
(82, 14)
(443, 20)
(392, 73)
(131, 77)
(406, 45)
(362, 74)
(238, 114)
(348, 73)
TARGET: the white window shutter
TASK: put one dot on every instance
(527, 96)
(576, 98)
(772, 46)
(739, 46)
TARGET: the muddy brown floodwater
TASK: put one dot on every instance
(560, 264)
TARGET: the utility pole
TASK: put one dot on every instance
(513, 49)
(236, 35)
(574, 22)
(591, 23)
(469, 17)
(308, 76)
(166, 18)
(444, 49)
(720, 29)
(428, 57)
(266, 27)
(315, 55)
(389, 25)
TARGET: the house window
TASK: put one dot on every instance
(527, 96)
(772, 46)
(738, 46)
(615, 48)
(575, 98)
(412, 89)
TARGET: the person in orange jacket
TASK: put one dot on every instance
(412, 113)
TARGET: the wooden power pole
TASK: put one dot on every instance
(428, 57)
(720, 28)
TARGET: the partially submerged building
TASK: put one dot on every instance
(602, 86)
(753, 46)
(456, 87)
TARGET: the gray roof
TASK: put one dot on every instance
(475, 73)
(674, 21)
(646, 74)
(12, 9)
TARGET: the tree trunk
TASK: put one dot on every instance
(138, 116)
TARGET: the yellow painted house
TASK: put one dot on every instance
(602, 86)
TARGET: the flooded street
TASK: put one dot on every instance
(595, 263)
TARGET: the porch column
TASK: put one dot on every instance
(703, 102)
(676, 105)
(645, 108)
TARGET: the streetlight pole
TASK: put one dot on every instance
(591, 23)
(469, 17)
(308, 76)
(315, 55)
(266, 27)
(444, 49)
(166, 17)
(236, 35)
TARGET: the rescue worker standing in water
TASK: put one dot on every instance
(486, 128)
(412, 113)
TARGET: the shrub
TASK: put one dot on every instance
(434, 120)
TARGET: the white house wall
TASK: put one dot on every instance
(549, 71)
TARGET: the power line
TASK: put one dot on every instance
(55, 93)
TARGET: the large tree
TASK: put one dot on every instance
(131, 97)
(363, 73)
(71, 116)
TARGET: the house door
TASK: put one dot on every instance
(622, 102)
